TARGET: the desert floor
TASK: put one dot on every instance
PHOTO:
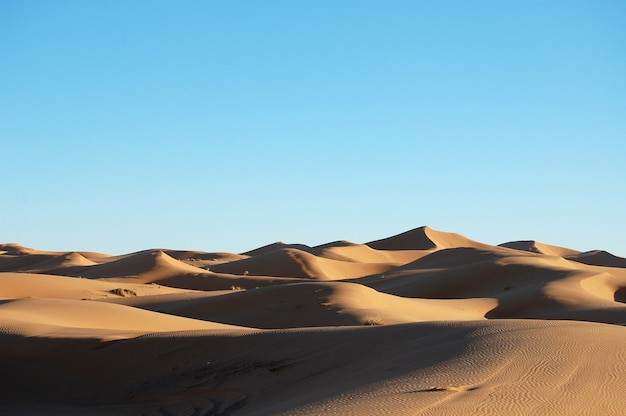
(421, 323)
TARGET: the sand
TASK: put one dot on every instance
(421, 323)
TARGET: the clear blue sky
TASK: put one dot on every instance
(227, 125)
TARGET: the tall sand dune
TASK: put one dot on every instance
(423, 238)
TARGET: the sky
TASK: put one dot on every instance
(228, 125)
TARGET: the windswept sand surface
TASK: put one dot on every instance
(421, 323)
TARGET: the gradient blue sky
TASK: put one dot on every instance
(227, 125)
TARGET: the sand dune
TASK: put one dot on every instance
(192, 255)
(491, 367)
(594, 257)
(362, 253)
(291, 262)
(26, 285)
(311, 305)
(20, 316)
(276, 246)
(150, 265)
(599, 258)
(202, 259)
(22, 262)
(421, 323)
(541, 248)
(423, 238)
(15, 249)
(524, 286)
(60, 262)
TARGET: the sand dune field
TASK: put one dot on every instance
(420, 323)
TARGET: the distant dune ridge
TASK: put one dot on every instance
(421, 323)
